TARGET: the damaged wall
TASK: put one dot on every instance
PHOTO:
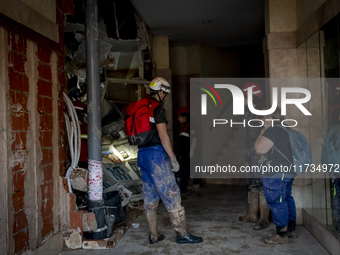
(33, 138)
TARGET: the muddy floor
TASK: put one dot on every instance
(213, 214)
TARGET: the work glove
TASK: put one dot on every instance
(175, 165)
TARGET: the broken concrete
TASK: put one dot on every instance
(94, 245)
(72, 240)
(89, 222)
(79, 179)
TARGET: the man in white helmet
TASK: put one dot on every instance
(158, 163)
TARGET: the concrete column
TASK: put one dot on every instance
(161, 52)
(281, 15)
(285, 60)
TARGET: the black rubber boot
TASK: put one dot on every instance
(178, 222)
(160, 237)
(188, 238)
(151, 218)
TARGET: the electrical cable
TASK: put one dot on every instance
(74, 137)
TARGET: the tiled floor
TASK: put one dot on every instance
(213, 214)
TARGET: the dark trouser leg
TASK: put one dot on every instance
(196, 181)
(185, 172)
(291, 204)
(275, 193)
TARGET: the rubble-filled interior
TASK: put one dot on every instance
(125, 63)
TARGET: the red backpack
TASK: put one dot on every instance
(137, 123)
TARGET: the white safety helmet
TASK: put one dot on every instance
(158, 84)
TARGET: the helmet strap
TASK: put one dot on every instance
(159, 97)
(164, 97)
(161, 101)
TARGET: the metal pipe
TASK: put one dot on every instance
(127, 81)
(94, 129)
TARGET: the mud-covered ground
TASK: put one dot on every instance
(213, 214)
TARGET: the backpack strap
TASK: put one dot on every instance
(281, 153)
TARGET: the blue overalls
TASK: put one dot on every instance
(158, 179)
(278, 192)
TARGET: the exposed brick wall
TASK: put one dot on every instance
(45, 110)
(24, 101)
(19, 119)
(76, 217)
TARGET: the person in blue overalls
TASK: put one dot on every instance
(272, 143)
(158, 163)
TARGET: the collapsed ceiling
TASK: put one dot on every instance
(123, 45)
(119, 39)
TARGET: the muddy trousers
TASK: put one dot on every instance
(158, 179)
(278, 192)
(159, 183)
